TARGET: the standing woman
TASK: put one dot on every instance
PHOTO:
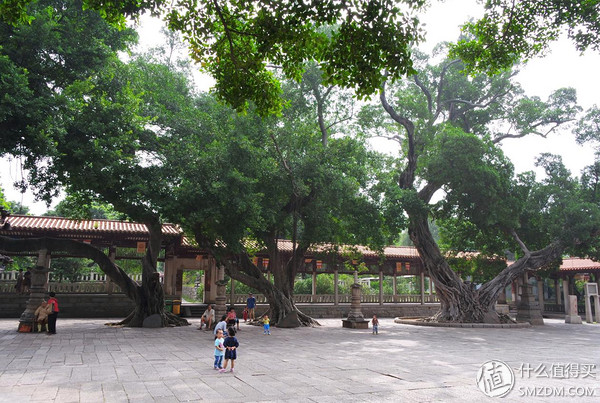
(53, 302)
(27, 282)
(19, 285)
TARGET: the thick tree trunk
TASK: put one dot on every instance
(459, 301)
(278, 295)
(284, 275)
(150, 297)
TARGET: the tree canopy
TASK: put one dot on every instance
(238, 42)
(514, 31)
(448, 127)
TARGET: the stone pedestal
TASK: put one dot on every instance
(221, 298)
(355, 319)
(591, 293)
(528, 310)
(571, 315)
(39, 283)
(502, 297)
(221, 301)
(36, 296)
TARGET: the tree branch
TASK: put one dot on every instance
(427, 192)
(114, 272)
(438, 97)
(521, 244)
(407, 176)
(489, 292)
(425, 92)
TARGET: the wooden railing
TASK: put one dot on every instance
(556, 308)
(92, 277)
(70, 288)
(240, 299)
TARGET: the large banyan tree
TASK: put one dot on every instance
(452, 169)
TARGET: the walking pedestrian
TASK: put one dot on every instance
(53, 302)
(19, 284)
(251, 304)
(266, 326)
(27, 281)
(375, 323)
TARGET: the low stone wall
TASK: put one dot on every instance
(117, 305)
(368, 310)
(341, 311)
(73, 305)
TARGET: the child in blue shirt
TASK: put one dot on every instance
(219, 350)
(231, 344)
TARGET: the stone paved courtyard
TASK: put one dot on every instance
(89, 362)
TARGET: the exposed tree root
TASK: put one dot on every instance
(169, 319)
(490, 317)
(306, 320)
(174, 320)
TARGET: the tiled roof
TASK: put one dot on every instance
(575, 264)
(390, 251)
(579, 264)
(19, 223)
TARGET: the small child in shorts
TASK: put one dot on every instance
(231, 344)
(219, 350)
(266, 326)
(375, 323)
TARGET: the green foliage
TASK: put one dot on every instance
(21, 262)
(241, 288)
(564, 208)
(588, 127)
(17, 208)
(69, 269)
(513, 31)
(3, 202)
(75, 207)
(236, 41)
(407, 285)
(325, 284)
(455, 124)
(480, 268)
(39, 61)
(476, 178)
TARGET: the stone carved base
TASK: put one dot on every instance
(355, 324)
(573, 319)
(571, 316)
(528, 309)
(355, 320)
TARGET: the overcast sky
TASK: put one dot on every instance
(564, 67)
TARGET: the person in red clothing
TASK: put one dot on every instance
(232, 319)
(53, 302)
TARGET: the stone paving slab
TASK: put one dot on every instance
(90, 362)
